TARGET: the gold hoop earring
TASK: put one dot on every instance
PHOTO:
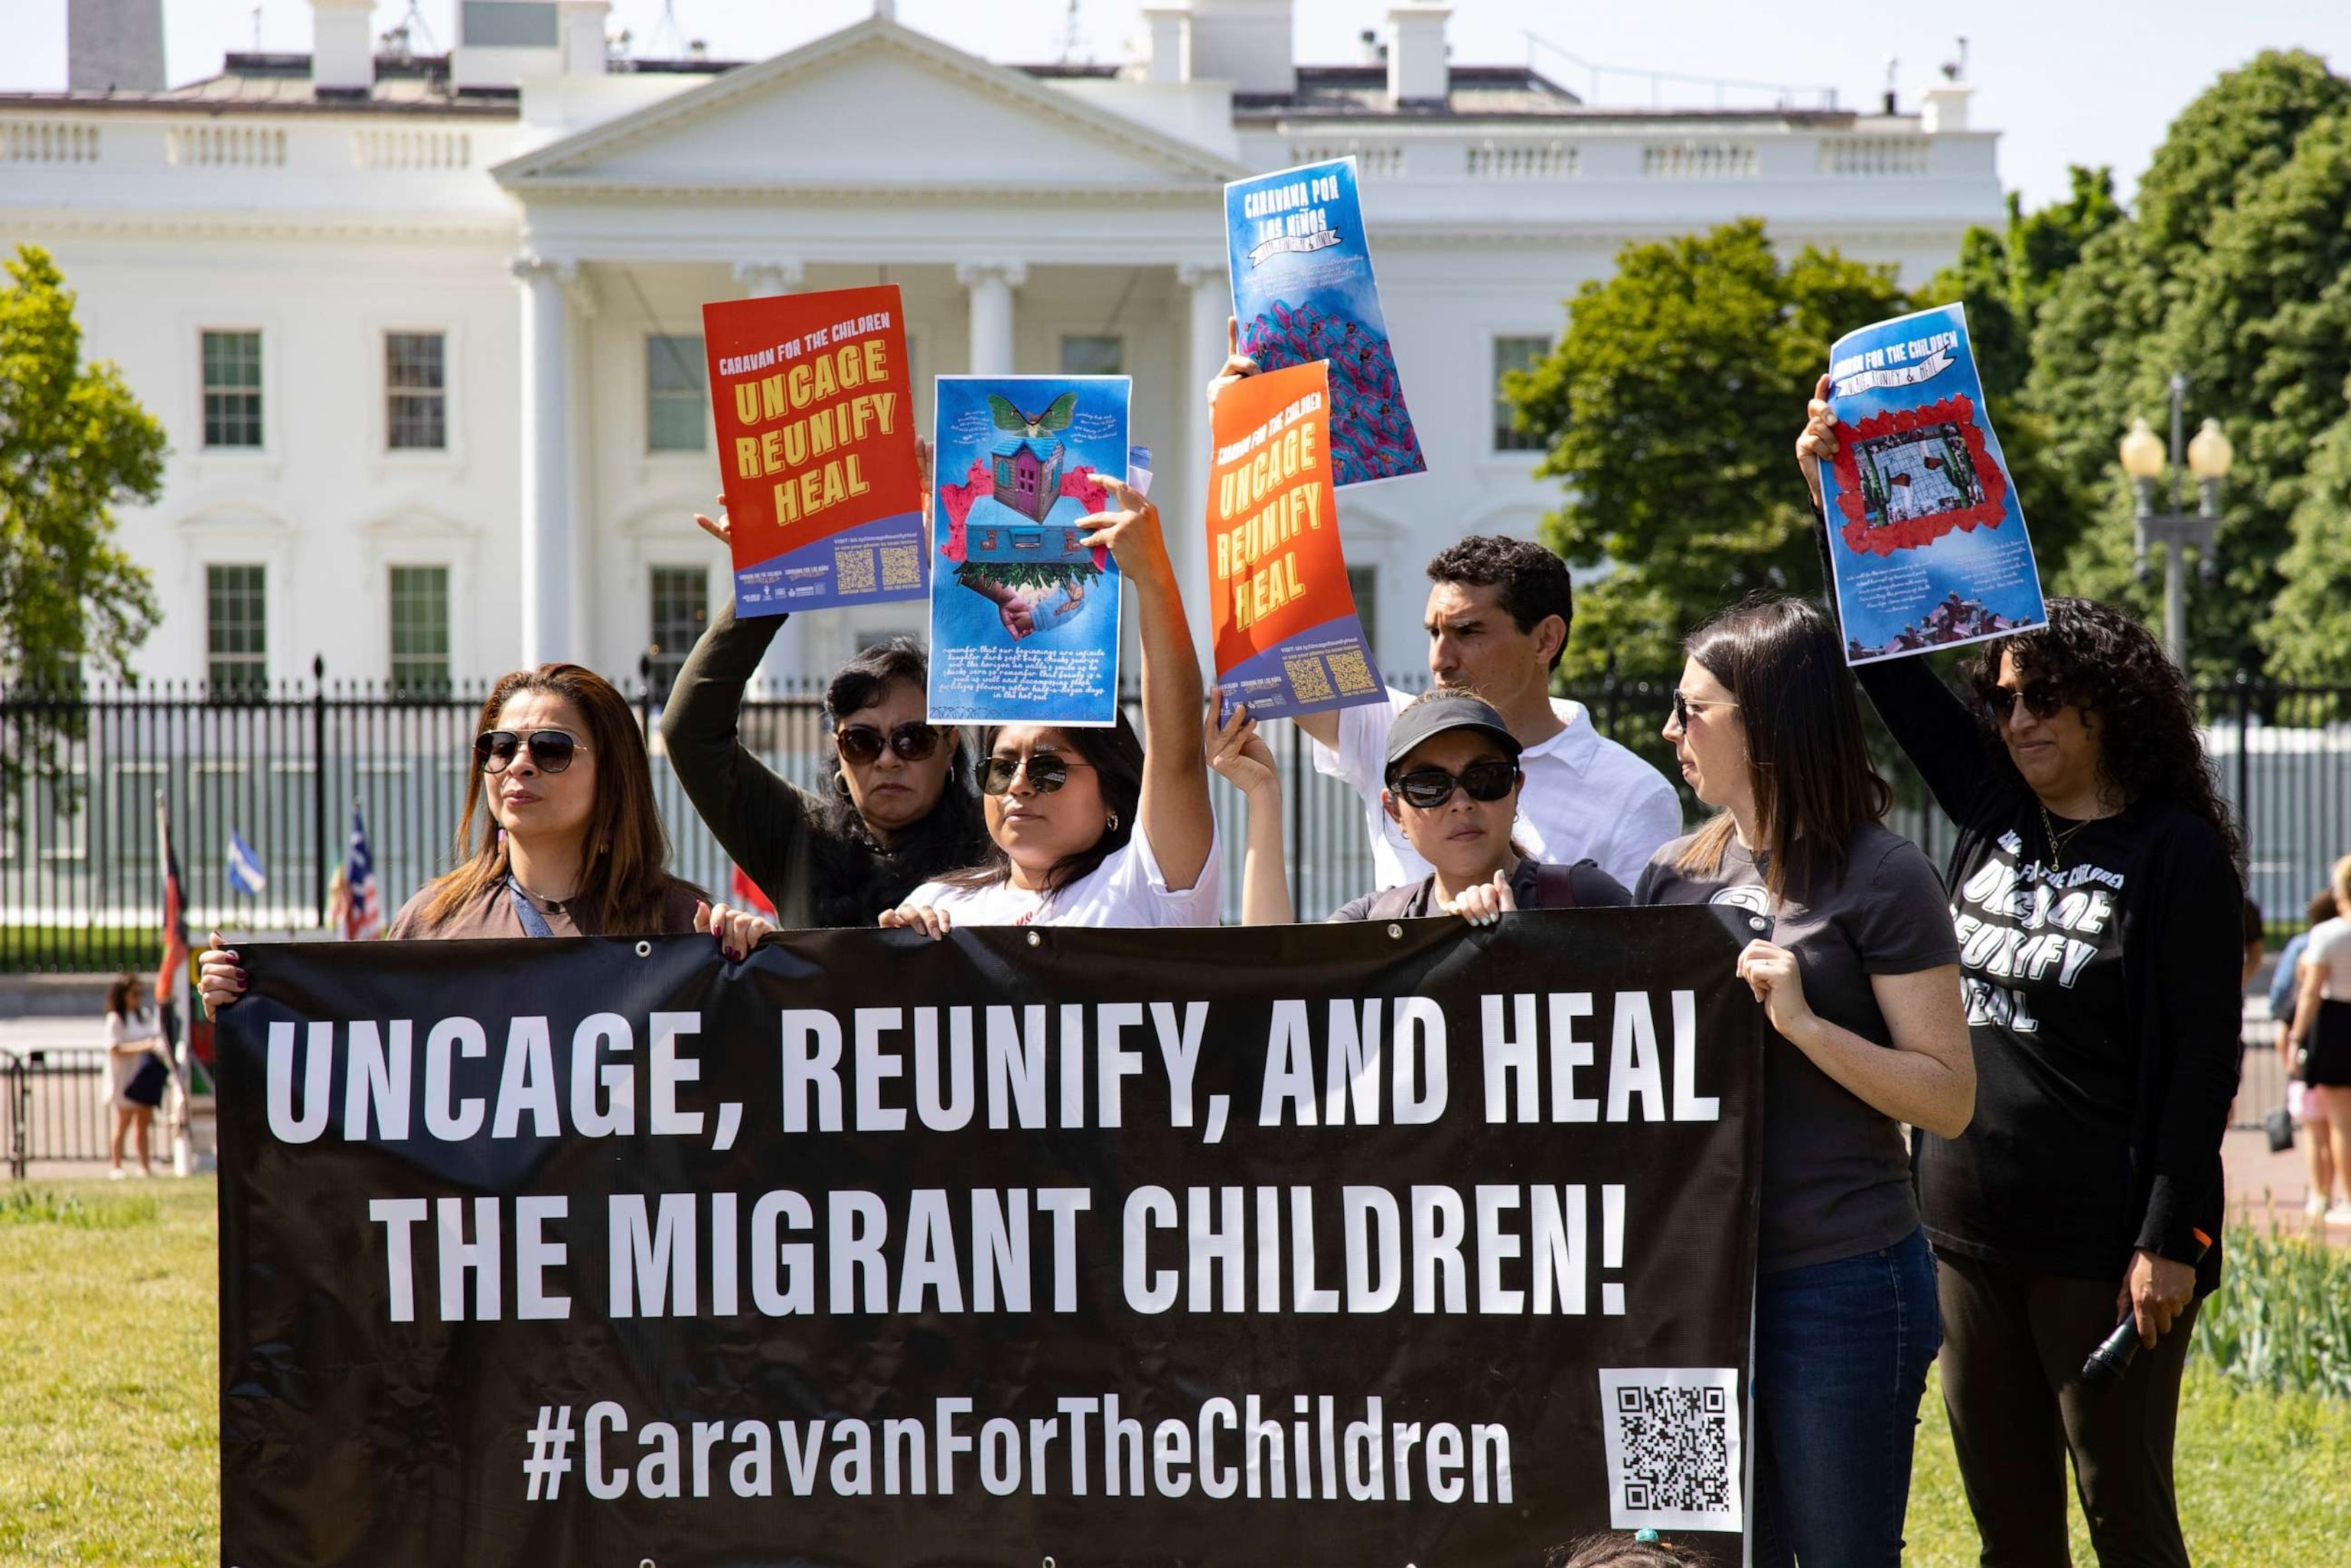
(1111, 826)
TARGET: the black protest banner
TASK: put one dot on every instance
(1375, 1244)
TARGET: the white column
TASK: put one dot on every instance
(794, 651)
(545, 460)
(991, 284)
(1183, 507)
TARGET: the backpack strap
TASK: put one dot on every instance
(1555, 886)
(1391, 902)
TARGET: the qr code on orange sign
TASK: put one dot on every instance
(1672, 1436)
(853, 571)
(1353, 671)
(1306, 678)
(902, 565)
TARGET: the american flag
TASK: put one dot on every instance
(363, 904)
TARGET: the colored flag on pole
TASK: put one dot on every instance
(174, 969)
(747, 895)
(363, 912)
(244, 871)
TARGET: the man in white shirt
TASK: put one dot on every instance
(1497, 616)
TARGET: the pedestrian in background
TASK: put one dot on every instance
(2318, 1042)
(136, 1071)
(2310, 1111)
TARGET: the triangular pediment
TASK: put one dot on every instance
(873, 107)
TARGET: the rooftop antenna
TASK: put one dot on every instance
(401, 39)
(256, 29)
(668, 40)
(1956, 71)
(1893, 63)
(1072, 37)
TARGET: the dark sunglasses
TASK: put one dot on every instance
(862, 744)
(1683, 705)
(1430, 787)
(2041, 698)
(552, 750)
(1047, 771)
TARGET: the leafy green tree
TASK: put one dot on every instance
(1669, 406)
(2236, 272)
(2308, 633)
(2003, 276)
(73, 444)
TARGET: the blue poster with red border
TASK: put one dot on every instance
(1926, 544)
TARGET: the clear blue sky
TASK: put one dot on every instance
(2066, 81)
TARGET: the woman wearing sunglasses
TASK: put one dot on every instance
(1853, 958)
(1084, 826)
(899, 810)
(1451, 788)
(570, 842)
(2096, 889)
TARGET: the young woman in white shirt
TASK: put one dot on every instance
(2318, 1042)
(1085, 827)
(132, 1041)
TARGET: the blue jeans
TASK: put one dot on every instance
(1841, 1357)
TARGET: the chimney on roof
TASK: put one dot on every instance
(1245, 42)
(585, 52)
(1418, 71)
(1170, 34)
(114, 45)
(342, 47)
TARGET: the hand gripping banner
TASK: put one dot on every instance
(1369, 1244)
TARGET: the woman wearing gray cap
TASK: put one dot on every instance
(1451, 788)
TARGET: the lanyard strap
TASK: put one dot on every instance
(534, 923)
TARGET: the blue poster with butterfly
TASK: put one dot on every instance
(1024, 605)
(1303, 291)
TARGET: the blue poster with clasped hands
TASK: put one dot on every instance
(1303, 291)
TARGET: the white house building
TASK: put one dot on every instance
(425, 332)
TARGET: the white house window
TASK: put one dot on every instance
(415, 380)
(237, 604)
(1363, 582)
(681, 608)
(1514, 353)
(1092, 354)
(420, 631)
(232, 372)
(677, 402)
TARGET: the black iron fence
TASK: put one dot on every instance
(81, 882)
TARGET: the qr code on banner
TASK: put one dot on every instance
(1672, 1436)
(1306, 678)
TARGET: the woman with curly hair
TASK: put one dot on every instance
(2096, 895)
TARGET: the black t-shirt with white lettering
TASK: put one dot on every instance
(2043, 1176)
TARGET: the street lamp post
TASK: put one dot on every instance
(2208, 457)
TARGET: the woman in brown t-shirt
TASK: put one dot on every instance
(570, 842)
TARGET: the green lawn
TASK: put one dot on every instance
(109, 1389)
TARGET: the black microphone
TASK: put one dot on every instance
(2107, 1365)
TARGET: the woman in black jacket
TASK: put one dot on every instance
(901, 809)
(2095, 892)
